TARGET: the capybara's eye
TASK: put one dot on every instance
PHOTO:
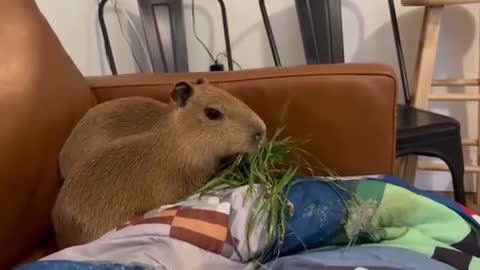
(213, 114)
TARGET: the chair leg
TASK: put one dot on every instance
(423, 74)
(456, 165)
(458, 172)
(454, 160)
(449, 150)
(427, 51)
(477, 175)
(409, 169)
(401, 168)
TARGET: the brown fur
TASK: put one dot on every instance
(130, 155)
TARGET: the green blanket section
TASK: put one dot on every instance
(408, 220)
(402, 218)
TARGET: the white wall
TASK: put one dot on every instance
(367, 36)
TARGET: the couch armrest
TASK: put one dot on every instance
(347, 111)
(42, 96)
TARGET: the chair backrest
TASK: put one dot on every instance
(321, 28)
(163, 23)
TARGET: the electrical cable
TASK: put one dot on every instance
(108, 48)
(233, 60)
(196, 34)
(106, 39)
(216, 65)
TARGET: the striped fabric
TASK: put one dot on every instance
(213, 223)
(205, 228)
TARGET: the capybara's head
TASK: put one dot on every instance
(214, 122)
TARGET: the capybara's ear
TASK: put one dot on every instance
(181, 93)
(202, 81)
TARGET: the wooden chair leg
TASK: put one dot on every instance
(398, 169)
(476, 176)
(427, 51)
(407, 168)
(423, 74)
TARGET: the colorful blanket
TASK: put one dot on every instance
(210, 232)
(404, 217)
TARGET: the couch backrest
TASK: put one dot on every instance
(347, 111)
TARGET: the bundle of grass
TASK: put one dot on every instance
(273, 167)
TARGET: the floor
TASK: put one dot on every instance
(475, 207)
(470, 195)
(470, 200)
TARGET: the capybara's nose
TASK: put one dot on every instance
(259, 136)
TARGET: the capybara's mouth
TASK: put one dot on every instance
(227, 161)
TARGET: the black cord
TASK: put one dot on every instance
(226, 56)
(106, 39)
(196, 34)
(226, 34)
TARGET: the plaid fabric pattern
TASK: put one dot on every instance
(196, 233)
(204, 225)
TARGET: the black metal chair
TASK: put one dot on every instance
(419, 132)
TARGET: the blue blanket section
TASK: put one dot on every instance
(74, 265)
(366, 257)
(319, 208)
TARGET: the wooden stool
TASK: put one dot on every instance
(423, 79)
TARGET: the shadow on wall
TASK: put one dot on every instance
(113, 27)
(287, 36)
(252, 39)
(287, 33)
(206, 31)
(140, 47)
(456, 39)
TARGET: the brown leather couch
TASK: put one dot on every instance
(347, 110)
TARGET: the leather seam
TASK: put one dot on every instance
(93, 87)
(394, 125)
